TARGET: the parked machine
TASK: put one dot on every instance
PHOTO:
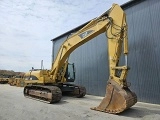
(49, 85)
(4, 79)
(17, 80)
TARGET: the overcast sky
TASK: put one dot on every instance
(27, 26)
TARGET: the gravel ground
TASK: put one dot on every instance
(14, 106)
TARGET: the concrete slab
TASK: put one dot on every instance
(14, 106)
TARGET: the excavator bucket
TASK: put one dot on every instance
(117, 99)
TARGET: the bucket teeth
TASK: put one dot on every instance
(117, 99)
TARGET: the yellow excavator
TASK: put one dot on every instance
(49, 85)
(17, 80)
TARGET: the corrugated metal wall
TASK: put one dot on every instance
(91, 59)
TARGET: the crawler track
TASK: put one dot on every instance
(3, 82)
(79, 91)
(53, 94)
(49, 94)
(73, 90)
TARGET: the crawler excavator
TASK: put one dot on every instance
(50, 84)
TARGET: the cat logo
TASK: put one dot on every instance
(85, 34)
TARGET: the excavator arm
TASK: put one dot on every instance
(113, 23)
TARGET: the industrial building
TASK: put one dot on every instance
(91, 59)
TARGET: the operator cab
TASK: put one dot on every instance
(70, 73)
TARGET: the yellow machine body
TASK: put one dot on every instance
(37, 76)
(16, 81)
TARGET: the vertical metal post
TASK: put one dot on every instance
(126, 59)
